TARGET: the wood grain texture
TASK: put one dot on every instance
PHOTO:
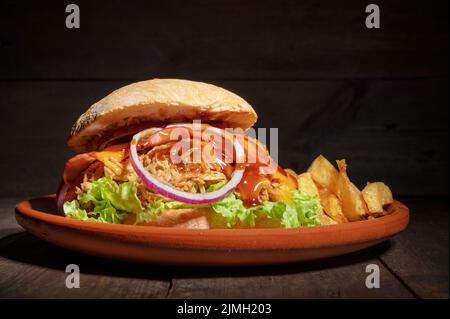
(420, 255)
(413, 264)
(223, 40)
(394, 131)
(376, 97)
(339, 277)
(32, 268)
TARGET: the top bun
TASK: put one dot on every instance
(156, 102)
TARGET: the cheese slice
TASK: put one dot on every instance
(111, 159)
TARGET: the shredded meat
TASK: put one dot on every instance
(145, 195)
(188, 177)
(92, 173)
(264, 194)
(125, 168)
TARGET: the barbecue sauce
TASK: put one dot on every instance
(254, 181)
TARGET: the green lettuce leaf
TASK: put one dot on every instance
(303, 211)
(272, 209)
(308, 208)
(73, 210)
(232, 208)
(111, 202)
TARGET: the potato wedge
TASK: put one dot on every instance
(376, 195)
(326, 220)
(332, 206)
(290, 172)
(324, 173)
(353, 204)
(306, 184)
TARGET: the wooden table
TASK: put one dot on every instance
(376, 97)
(412, 265)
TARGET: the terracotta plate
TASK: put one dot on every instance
(206, 247)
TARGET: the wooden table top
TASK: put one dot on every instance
(412, 265)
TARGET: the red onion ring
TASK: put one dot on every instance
(186, 197)
(60, 194)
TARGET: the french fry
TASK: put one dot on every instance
(291, 172)
(353, 204)
(326, 220)
(332, 206)
(376, 195)
(306, 184)
(324, 173)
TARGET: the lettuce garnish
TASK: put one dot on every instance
(111, 203)
(303, 211)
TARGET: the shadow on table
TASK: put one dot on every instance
(25, 248)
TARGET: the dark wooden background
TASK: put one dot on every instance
(377, 97)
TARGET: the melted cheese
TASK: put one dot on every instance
(111, 160)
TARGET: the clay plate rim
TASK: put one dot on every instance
(262, 238)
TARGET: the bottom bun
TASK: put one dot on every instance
(193, 218)
(200, 218)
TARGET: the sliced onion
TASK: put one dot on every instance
(60, 194)
(192, 198)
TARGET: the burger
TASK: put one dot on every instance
(177, 153)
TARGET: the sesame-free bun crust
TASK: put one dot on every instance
(159, 101)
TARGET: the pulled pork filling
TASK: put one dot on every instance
(110, 190)
(187, 177)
